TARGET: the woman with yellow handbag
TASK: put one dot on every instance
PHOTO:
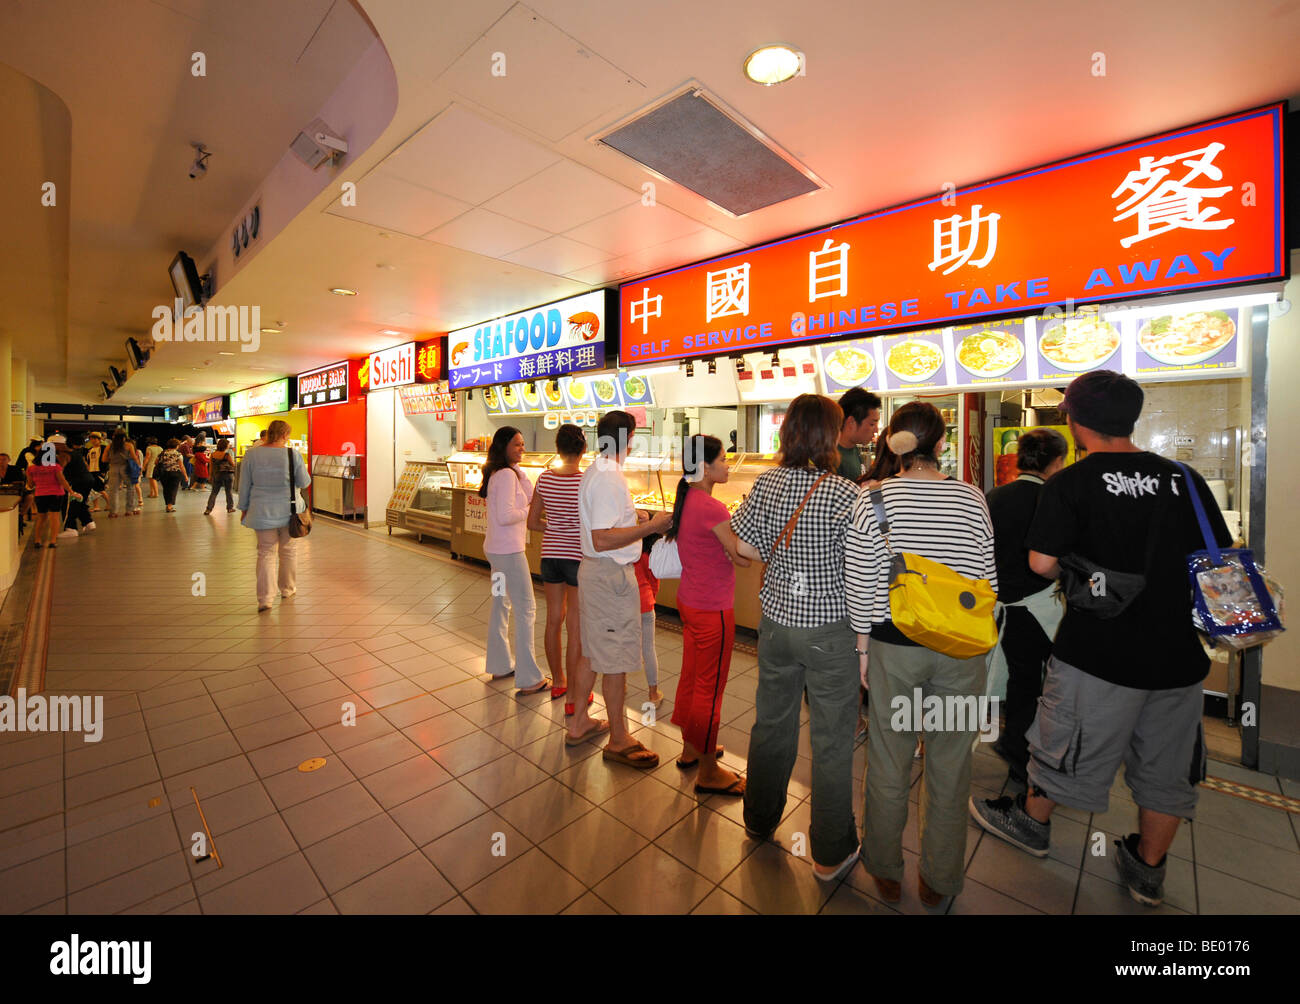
(921, 584)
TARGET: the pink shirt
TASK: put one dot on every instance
(45, 479)
(509, 493)
(708, 577)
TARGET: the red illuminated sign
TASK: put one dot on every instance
(429, 362)
(1196, 207)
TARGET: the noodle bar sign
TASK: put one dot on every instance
(1195, 208)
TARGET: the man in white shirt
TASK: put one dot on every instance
(609, 600)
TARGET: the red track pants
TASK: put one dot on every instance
(708, 636)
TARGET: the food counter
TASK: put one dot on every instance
(644, 479)
(469, 512)
(422, 501)
(333, 483)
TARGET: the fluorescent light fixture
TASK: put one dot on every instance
(772, 64)
(342, 291)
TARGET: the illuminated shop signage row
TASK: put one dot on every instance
(1196, 207)
(326, 385)
(266, 399)
(568, 336)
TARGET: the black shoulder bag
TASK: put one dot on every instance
(299, 522)
(1104, 592)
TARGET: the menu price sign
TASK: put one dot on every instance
(475, 513)
(549, 341)
(1155, 215)
(428, 399)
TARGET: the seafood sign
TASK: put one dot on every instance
(546, 342)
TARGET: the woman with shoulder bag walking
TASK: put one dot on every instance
(509, 494)
(121, 454)
(171, 472)
(795, 518)
(946, 521)
(269, 503)
(223, 476)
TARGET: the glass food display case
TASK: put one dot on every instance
(421, 502)
(469, 512)
(333, 483)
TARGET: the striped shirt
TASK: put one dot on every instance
(946, 521)
(563, 535)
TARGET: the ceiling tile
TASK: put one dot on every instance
(461, 155)
(486, 233)
(562, 197)
(634, 227)
(399, 206)
(527, 70)
(558, 255)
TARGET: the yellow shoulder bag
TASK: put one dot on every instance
(935, 606)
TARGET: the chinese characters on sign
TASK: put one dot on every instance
(428, 361)
(1152, 216)
(327, 385)
(548, 341)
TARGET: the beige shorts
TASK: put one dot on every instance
(609, 607)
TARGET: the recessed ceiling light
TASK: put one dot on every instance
(389, 331)
(340, 291)
(265, 331)
(772, 64)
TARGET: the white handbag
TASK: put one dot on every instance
(665, 562)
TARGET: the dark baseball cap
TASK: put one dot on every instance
(1104, 401)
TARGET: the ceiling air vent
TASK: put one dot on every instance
(690, 140)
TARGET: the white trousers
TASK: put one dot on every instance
(512, 588)
(117, 482)
(268, 542)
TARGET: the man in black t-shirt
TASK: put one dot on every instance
(1127, 688)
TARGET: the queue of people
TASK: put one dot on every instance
(831, 529)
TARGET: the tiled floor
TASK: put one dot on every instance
(448, 795)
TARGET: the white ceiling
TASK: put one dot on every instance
(487, 194)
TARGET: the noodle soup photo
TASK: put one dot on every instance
(914, 360)
(1188, 338)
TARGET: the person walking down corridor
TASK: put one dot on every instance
(171, 472)
(223, 475)
(264, 494)
(509, 494)
(120, 455)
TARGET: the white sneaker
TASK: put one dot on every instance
(69, 533)
(88, 527)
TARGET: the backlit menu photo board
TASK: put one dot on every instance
(554, 340)
(209, 411)
(326, 385)
(1195, 208)
(1201, 339)
(265, 399)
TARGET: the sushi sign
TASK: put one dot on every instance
(553, 340)
(1192, 209)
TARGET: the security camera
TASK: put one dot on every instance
(199, 168)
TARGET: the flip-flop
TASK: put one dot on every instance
(558, 692)
(501, 676)
(568, 706)
(736, 788)
(533, 690)
(597, 728)
(625, 757)
(688, 764)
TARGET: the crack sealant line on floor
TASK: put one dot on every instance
(212, 844)
(30, 673)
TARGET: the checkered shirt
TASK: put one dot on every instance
(804, 586)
